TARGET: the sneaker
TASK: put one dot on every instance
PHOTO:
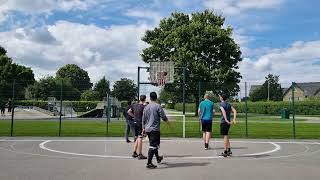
(206, 146)
(128, 141)
(229, 153)
(140, 156)
(134, 155)
(151, 166)
(224, 154)
(160, 159)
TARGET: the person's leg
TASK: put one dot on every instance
(208, 136)
(135, 146)
(204, 136)
(127, 132)
(151, 152)
(225, 144)
(139, 145)
(154, 139)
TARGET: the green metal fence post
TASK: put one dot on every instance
(12, 113)
(184, 90)
(246, 108)
(60, 117)
(293, 112)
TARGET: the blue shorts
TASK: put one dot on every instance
(206, 125)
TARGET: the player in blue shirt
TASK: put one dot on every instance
(206, 112)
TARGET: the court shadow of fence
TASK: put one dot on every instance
(182, 164)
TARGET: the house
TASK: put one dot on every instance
(253, 88)
(303, 91)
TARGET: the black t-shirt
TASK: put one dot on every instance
(126, 115)
(137, 110)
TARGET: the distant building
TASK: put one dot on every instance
(303, 91)
(253, 88)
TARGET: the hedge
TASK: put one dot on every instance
(78, 106)
(274, 108)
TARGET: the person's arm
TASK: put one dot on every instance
(234, 115)
(163, 114)
(224, 115)
(144, 120)
(130, 112)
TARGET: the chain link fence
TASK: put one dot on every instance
(58, 109)
(265, 110)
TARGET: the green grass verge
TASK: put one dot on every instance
(117, 128)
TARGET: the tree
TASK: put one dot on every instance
(102, 87)
(42, 89)
(78, 77)
(167, 96)
(2, 51)
(275, 90)
(202, 45)
(90, 95)
(51, 87)
(13, 74)
(124, 90)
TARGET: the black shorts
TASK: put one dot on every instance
(138, 131)
(206, 125)
(154, 139)
(224, 129)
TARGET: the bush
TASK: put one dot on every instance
(78, 106)
(273, 108)
(170, 106)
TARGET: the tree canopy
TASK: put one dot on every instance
(78, 77)
(124, 90)
(12, 73)
(275, 90)
(102, 87)
(200, 43)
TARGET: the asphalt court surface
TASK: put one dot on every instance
(109, 158)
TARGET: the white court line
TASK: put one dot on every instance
(42, 146)
(163, 140)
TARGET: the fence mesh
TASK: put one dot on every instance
(264, 110)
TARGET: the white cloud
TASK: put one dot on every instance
(235, 7)
(42, 6)
(145, 14)
(112, 51)
(299, 63)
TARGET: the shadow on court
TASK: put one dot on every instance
(221, 148)
(178, 156)
(181, 165)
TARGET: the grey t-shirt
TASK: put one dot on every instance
(151, 117)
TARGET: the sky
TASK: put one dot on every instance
(280, 37)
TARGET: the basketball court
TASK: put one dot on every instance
(109, 158)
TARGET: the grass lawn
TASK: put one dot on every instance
(117, 128)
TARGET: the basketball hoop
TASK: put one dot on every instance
(162, 77)
(161, 73)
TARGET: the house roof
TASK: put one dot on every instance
(309, 88)
(253, 88)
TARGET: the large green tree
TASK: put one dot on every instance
(124, 90)
(51, 87)
(12, 73)
(78, 77)
(275, 90)
(203, 45)
(102, 87)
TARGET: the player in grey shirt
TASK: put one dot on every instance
(151, 125)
